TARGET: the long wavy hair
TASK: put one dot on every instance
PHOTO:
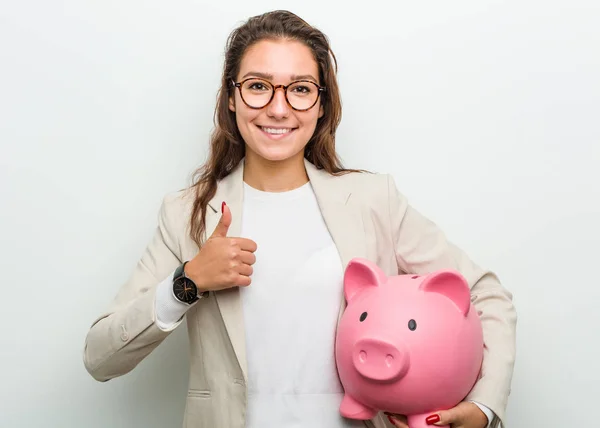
(227, 148)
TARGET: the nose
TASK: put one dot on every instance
(278, 107)
(379, 360)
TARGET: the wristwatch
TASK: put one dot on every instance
(184, 289)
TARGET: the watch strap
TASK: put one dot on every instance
(180, 271)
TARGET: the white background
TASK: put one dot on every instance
(486, 112)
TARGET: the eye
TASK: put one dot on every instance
(412, 325)
(255, 85)
(258, 87)
(363, 316)
(302, 89)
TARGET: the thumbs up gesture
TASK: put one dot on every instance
(222, 262)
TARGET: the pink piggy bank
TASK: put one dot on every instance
(406, 344)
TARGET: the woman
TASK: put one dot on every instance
(253, 253)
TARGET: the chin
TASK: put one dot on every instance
(274, 154)
(276, 151)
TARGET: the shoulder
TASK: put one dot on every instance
(367, 186)
(176, 207)
(375, 193)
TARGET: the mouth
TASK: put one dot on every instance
(276, 132)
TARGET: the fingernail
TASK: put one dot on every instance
(223, 206)
(432, 419)
(391, 420)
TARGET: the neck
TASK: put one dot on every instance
(274, 176)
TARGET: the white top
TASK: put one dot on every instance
(290, 313)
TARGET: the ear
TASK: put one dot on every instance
(450, 284)
(360, 274)
(321, 111)
(232, 102)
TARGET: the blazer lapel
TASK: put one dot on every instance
(342, 217)
(231, 190)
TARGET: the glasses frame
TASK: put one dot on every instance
(320, 89)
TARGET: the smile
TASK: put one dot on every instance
(276, 131)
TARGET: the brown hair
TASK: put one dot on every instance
(227, 147)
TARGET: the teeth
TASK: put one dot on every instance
(276, 130)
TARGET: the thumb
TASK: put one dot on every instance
(445, 417)
(224, 222)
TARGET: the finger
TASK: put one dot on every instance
(247, 257)
(224, 223)
(401, 418)
(398, 421)
(244, 269)
(243, 281)
(246, 244)
(445, 417)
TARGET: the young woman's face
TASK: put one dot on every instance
(277, 132)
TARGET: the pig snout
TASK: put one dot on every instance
(379, 360)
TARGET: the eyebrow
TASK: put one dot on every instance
(267, 76)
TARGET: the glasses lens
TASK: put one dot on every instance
(302, 95)
(256, 92)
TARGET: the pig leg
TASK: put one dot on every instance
(352, 409)
(419, 421)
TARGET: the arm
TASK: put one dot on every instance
(127, 332)
(421, 247)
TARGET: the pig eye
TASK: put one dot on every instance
(412, 325)
(363, 316)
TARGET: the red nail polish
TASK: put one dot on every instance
(391, 420)
(223, 206)
(432, 419)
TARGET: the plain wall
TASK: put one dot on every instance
(486, 112)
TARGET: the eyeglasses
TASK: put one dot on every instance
(300, 95)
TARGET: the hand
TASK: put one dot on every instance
(222, 262)
(465, 415)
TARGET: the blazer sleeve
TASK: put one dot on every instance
(119, 339)
(421, 247)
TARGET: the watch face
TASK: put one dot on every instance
(185, 290)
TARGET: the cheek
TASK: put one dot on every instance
(244, 115)
(310, 120)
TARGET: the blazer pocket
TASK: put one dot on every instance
(200, 411)
(199, 393)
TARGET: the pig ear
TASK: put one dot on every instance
(361, 273)
(450, 284)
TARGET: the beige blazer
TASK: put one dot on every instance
(366, 216)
